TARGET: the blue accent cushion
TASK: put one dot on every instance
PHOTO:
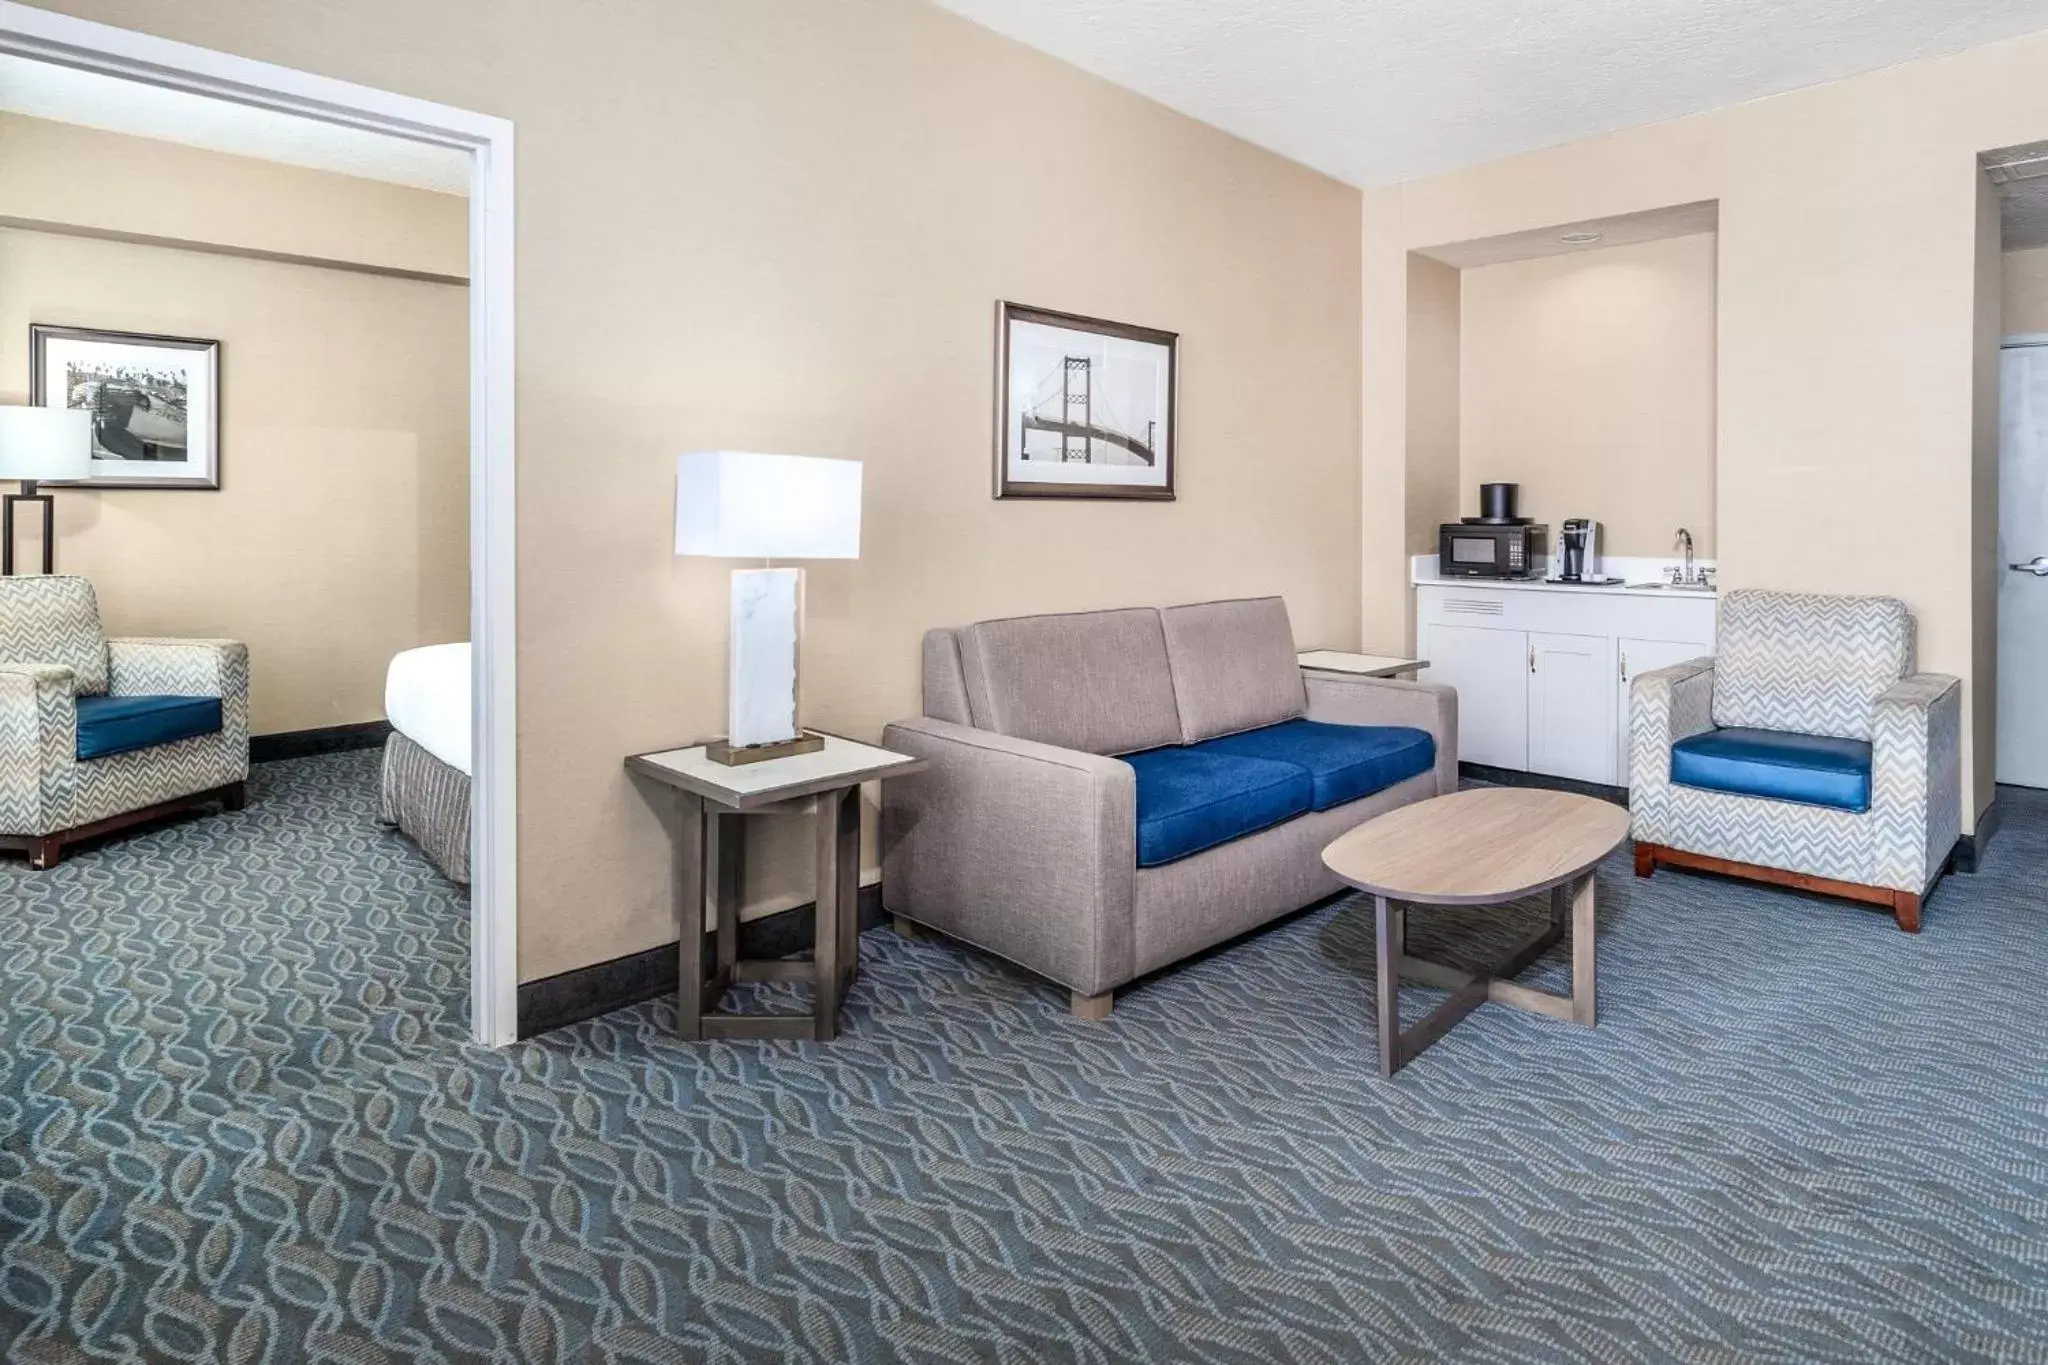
(1189, 800)
(1345, 762)
(1817, 770)
(115, 725)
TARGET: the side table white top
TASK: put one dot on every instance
(1365, 665)
(841, 763)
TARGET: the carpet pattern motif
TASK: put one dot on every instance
(239, 1122)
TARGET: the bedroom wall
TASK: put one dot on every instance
(784, 226)
(339, 534)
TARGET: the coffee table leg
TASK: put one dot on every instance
(1388, 917)
(1584, 1003)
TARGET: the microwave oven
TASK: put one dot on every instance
(1469, 550)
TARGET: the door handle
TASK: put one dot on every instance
(2037, 566)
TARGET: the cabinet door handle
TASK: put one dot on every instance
(1624, 667)
(1532, 658)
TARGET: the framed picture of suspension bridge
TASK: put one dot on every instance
(1084, 408)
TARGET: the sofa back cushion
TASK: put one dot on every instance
(1096, 681)
(1234, 666)
(1807, 662)
(945, 689)
(54, 620)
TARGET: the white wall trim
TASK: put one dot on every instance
(60, 38)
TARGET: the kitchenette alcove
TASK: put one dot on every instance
(1576, 362)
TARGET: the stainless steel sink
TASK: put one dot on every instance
(1672, 587)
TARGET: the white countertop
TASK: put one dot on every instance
(1423, 574)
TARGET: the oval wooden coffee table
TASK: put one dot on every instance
(1481, 847)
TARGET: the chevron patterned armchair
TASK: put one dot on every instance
(98, 734)
(1806, 752)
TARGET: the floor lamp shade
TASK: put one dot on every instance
(40, 445)
(45, 445)
(736, 505)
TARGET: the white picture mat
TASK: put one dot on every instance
(62, 355)
(1131, 388)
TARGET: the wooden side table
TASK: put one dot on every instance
(704, 829)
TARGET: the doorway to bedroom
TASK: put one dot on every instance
(274, 318)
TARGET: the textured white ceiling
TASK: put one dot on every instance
(67, 95)
(1379, 91)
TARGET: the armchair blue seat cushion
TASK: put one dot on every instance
(1189, 800)
(1344, 762)
(116, 725)
(1816, 770)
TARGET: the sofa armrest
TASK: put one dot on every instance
(1916, 777)
(1025, 849)
(38, 743)
(1354, 700)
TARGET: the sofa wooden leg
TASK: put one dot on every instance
(1093, 1008)
(235, 797)
(44, 854)
(1646, 859)
(1906, 910)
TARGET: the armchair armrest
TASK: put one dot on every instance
(38, 743)
(1666, 705)
(1356, 700)
(182, 668)
(1026, 849)
(1916, 777)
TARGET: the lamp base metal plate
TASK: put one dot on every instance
(736, 756)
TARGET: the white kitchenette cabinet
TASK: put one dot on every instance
(1542, 672)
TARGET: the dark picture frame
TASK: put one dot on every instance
(167, 391)
(1085, 449)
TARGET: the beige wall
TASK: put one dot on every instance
(109, 182)
(2025, 279)
(1847, 315)
(1588, 379)
(1435, 325)
(779, 225)
(339, 535)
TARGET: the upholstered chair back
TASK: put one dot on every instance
(1807, 662)
(54, 619)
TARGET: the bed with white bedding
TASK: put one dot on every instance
(427, 757)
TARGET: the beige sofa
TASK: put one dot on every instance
(1111, 791)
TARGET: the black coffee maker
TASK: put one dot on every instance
(1578, 542)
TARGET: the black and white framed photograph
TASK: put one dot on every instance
(1084, 408)
(154, 400)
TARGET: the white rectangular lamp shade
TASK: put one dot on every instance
(735, 505)
(43, 445)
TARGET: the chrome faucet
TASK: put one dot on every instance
(1683, 541)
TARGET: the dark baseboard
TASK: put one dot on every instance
(1970, 848)
(328, 739)
(1515, 777)
(571, 997)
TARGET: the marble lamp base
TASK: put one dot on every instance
(766, 628)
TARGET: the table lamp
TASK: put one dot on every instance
(735, 505)
(36, 445)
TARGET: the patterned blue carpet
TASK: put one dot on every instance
(238, 1123)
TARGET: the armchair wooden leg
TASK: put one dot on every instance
(44, 854)
(1646, 859)
(235, 797)
(1906, 910)
(1093, 1008)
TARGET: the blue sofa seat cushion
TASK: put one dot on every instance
(1344, 762)
(1189, 800)
(1816, 770)
(116, 725)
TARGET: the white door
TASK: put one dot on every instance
(2023, 566)
(1643, 656)
(1571, 706)
(1489, 670)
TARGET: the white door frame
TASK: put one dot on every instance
(68, 41)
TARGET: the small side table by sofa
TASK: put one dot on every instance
(705, 831)
(1359, 665)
